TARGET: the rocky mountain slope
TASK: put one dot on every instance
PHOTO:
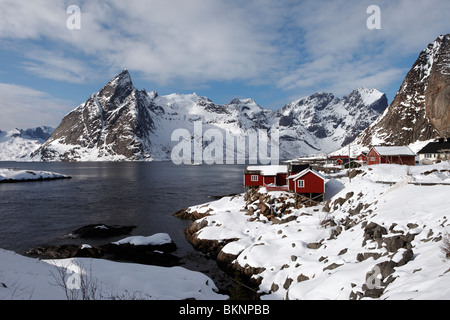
(122, 123)
(420, 110)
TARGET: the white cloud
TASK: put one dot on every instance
(341, 53)
(53, 65)
(24, 107)
(164, 40)
(304, 46)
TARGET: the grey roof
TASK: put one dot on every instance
(394, 151)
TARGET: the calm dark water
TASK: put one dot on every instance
(118, 193)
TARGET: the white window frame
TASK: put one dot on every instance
(300, 183)
(254, 178)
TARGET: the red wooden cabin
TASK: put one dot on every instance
(266, 176)
(393, 155)
(362, 158)
(308, 181)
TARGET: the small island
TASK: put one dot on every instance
(18, 175)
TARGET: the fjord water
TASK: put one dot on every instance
(143, 194)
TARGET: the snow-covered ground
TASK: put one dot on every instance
(28, 175)
(24, 278)
(316, 254)
(330, 254)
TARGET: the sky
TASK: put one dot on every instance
(55, 54)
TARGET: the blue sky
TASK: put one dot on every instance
(271, 51)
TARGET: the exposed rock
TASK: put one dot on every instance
(340, 201)
(287, 283)
(412, 225)
(396, 242)
(102, 231)
(66, 251)
(357, 209)
(191, 215)
(314, 245)
(302, 277)
(332, 266)
(145, 254)
(366, 255)
(406, 257)
(373, 231)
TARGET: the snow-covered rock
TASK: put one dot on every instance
(154, 240)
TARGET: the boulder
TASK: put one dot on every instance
(374, 232)
(66, 251)
(314, 245)
(158, 255)
(102, 231)
(397, 242)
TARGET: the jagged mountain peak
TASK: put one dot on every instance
(319, 99)
(116, 90)
(371, 98)
(122, 79)
(240, 101)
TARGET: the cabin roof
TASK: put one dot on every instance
(394, 151)
(304, 172)
(268, 170)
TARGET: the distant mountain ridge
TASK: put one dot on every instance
(120, 122)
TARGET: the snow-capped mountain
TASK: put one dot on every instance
(420, 110)
(322, 123)
(17, 144)
(122, 123)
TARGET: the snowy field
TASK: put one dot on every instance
(332, 254)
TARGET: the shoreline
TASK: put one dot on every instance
(247, 275)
